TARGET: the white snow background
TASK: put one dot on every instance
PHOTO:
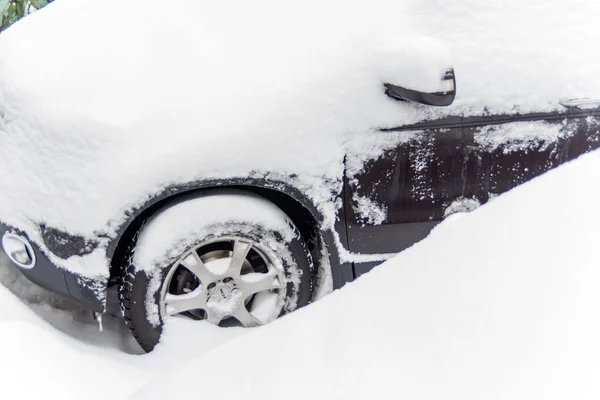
(499, 303)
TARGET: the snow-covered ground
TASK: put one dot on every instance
(500, 303)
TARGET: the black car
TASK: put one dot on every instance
(242, 240)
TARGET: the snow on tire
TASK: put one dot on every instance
(229, 258)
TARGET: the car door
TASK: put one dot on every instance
(455, 164)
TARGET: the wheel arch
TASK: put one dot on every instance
(290, 200)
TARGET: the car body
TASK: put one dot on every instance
(101, 129)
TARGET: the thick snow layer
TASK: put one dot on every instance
(500, 303)
(170, 233)
(56, 345)
(101, 110)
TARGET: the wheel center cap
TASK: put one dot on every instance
(221, 292)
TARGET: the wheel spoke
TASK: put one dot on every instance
(256, 282)
(240, 251)
(244, 316)
(213, 317)
(229, 290)
(195, 265)
(178, 303)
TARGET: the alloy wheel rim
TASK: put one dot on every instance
(226, 281)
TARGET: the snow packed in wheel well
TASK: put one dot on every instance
(306, 221)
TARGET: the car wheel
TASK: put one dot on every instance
(227, 259)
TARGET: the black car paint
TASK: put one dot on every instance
(58, 280)
(455, 167)
(296, 204)
(452, 165)
(88, 292)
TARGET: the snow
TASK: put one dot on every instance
(100, 111)
(123, 109)
(461, 205)
(264, 307)
(371, 212)
(171, 232)
(519, 136)
(500, 303)
(54, 349)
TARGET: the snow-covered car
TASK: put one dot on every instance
(241, 160)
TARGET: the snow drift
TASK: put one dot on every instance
(500, 303)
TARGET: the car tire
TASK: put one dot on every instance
(238, 252)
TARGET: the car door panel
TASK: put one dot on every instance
(410, 187)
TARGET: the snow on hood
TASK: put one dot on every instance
(100, 109)
(97, 116)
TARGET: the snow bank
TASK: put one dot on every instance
(55, 344)
(499, 304)
(99, 110)
(39, 361)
